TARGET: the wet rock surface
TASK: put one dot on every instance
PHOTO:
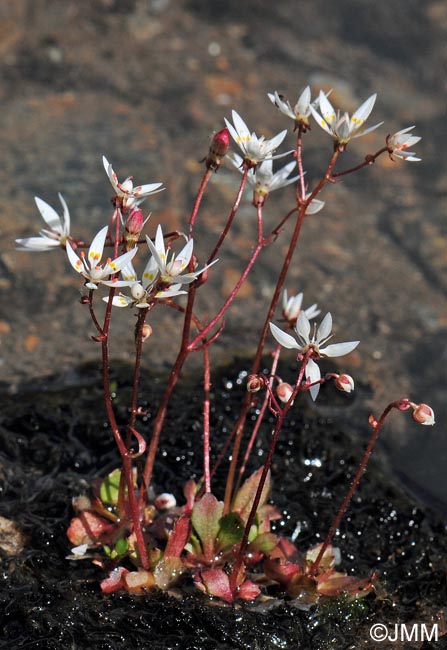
(146, 83)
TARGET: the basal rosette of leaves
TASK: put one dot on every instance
(198, 542)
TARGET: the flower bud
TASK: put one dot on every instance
(132, 228)
(345, 383)
(423, 414)
(284, 392)
(165, 501)
(372, 421)
(134, 222)
(146, 332)
(254, 384)
(218, 149)
(137, 291)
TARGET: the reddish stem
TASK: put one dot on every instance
(239, 426)
(268, 461)
(260, 417)
(369, 160)
(398, 404)
(206, 417)
(231, 217)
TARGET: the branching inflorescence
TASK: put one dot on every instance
(226, 546)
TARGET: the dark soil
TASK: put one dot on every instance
(55, 439)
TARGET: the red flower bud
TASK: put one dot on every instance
(218, 149)
(345, 383)
(284, 392)
(254, 384)
(134, 222)
(423, 414)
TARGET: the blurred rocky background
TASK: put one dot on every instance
(146, 82)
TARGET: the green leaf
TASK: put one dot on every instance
(121, 546)
(109, 489)
(205, 518)
(245, 497)
(231, 530)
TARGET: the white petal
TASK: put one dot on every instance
(327, 110)
(313, 373)
(320, 121)
(325, 328)
(283, 338)
(276, 140)
(363, 111)
(119, 301)
(240, 126)
(339, 349)
(315, 206)
(302, 105)
(49, 214)
(185, 254)
(36, 244)
(302, 327)
(65, 217)
(116, 283)
(120, 262)
(234, 134)
(150, 272)
(74, 260)
(128, 272)
(97, 247)
(145, 190)
(158, 250)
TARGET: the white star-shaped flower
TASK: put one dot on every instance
(314, 343)
(301, 111)
(171, 272)
(262, 179)
(91, 268)
(399, 142)
(141, 292)
(255, 149)
(55, 235)
(342, 127)
(129, 195)
(291, 307)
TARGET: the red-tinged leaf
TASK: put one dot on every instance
(139, 582)
(214, 582)
(190, 491)
(248, 590)
(245, 496)
(178, 537)
(168, 571)
(282, 571)
(205, 518)
(330, 557)
(115, 580)
(141, 443)
(334, 583)
(89, 528)
(286, 550)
